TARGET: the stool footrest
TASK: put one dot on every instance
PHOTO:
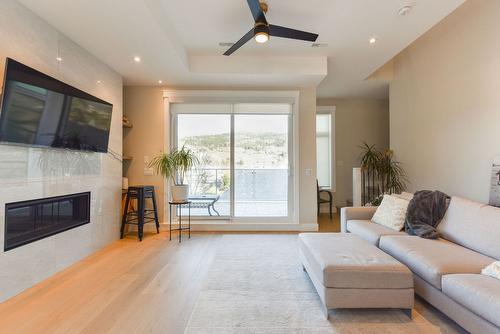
(146, 220)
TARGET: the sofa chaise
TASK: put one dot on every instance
(349, 272)
(446, 271)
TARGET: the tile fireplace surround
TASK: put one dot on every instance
(31, 173)
(28, 173)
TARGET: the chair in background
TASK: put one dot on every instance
(322, 200)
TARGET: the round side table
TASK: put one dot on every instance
(178, 207)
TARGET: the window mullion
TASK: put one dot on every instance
(231, 165)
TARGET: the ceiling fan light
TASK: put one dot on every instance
(261, 37)
(261, 32)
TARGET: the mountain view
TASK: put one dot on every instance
(263, 153)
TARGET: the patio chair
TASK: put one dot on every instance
(205, 201)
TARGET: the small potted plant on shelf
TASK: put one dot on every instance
(174, 166)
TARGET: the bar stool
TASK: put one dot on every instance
(142, 215)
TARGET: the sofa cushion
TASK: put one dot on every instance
(479, 293)
(473, 225)
(431, 259)
(369, 231)
(355, 213)
(340, 260)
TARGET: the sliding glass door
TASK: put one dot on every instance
(245, 153)
(261, 165)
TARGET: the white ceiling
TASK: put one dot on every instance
(178, 40)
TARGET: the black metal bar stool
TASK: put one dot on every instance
(142, 215)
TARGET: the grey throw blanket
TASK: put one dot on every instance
(425, 212)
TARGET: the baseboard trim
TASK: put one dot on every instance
(262, 227)
(239, 227)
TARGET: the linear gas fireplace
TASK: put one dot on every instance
(33, 220)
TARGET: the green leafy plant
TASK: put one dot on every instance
(175, 165)
(382, 174)
(370, 157)
(392, 174)
(370, 160)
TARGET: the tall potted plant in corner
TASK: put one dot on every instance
(392, 174)
(174, 166)
(381, 174)
(370, 160)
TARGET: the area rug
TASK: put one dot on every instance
(256, 285)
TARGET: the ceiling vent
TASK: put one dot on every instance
(319, 45)
(226, 44)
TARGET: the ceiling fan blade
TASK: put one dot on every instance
(257, 13)
(278, 31)
(248, 36)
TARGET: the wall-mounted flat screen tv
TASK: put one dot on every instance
(39, 110)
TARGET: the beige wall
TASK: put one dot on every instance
(144, 107)
(445, 102)
(307, 155)
(30, 173)
(356, 121)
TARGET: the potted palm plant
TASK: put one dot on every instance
(174, 166)
(392, 174)
(382, 174)
(370, 160)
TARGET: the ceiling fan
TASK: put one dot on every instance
(262, 30)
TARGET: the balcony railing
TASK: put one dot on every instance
(257, 192)
(249, 184)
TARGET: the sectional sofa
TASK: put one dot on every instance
(447, 270)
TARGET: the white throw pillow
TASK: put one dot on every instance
(391, 213)
(492, 270)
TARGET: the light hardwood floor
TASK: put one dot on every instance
(128, 287)
(329, 225)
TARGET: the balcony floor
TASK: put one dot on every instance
(245, 209)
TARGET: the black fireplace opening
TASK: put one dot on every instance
(28, 221)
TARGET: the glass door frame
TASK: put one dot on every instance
(232, 98)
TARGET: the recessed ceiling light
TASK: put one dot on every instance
(137, 59)
(373, 40)
(160, 82)
(59, 58)
(405, 10)
(99, 82)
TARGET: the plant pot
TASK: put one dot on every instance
(180, 193)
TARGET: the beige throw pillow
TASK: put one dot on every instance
(492, 270)
(391, 213)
